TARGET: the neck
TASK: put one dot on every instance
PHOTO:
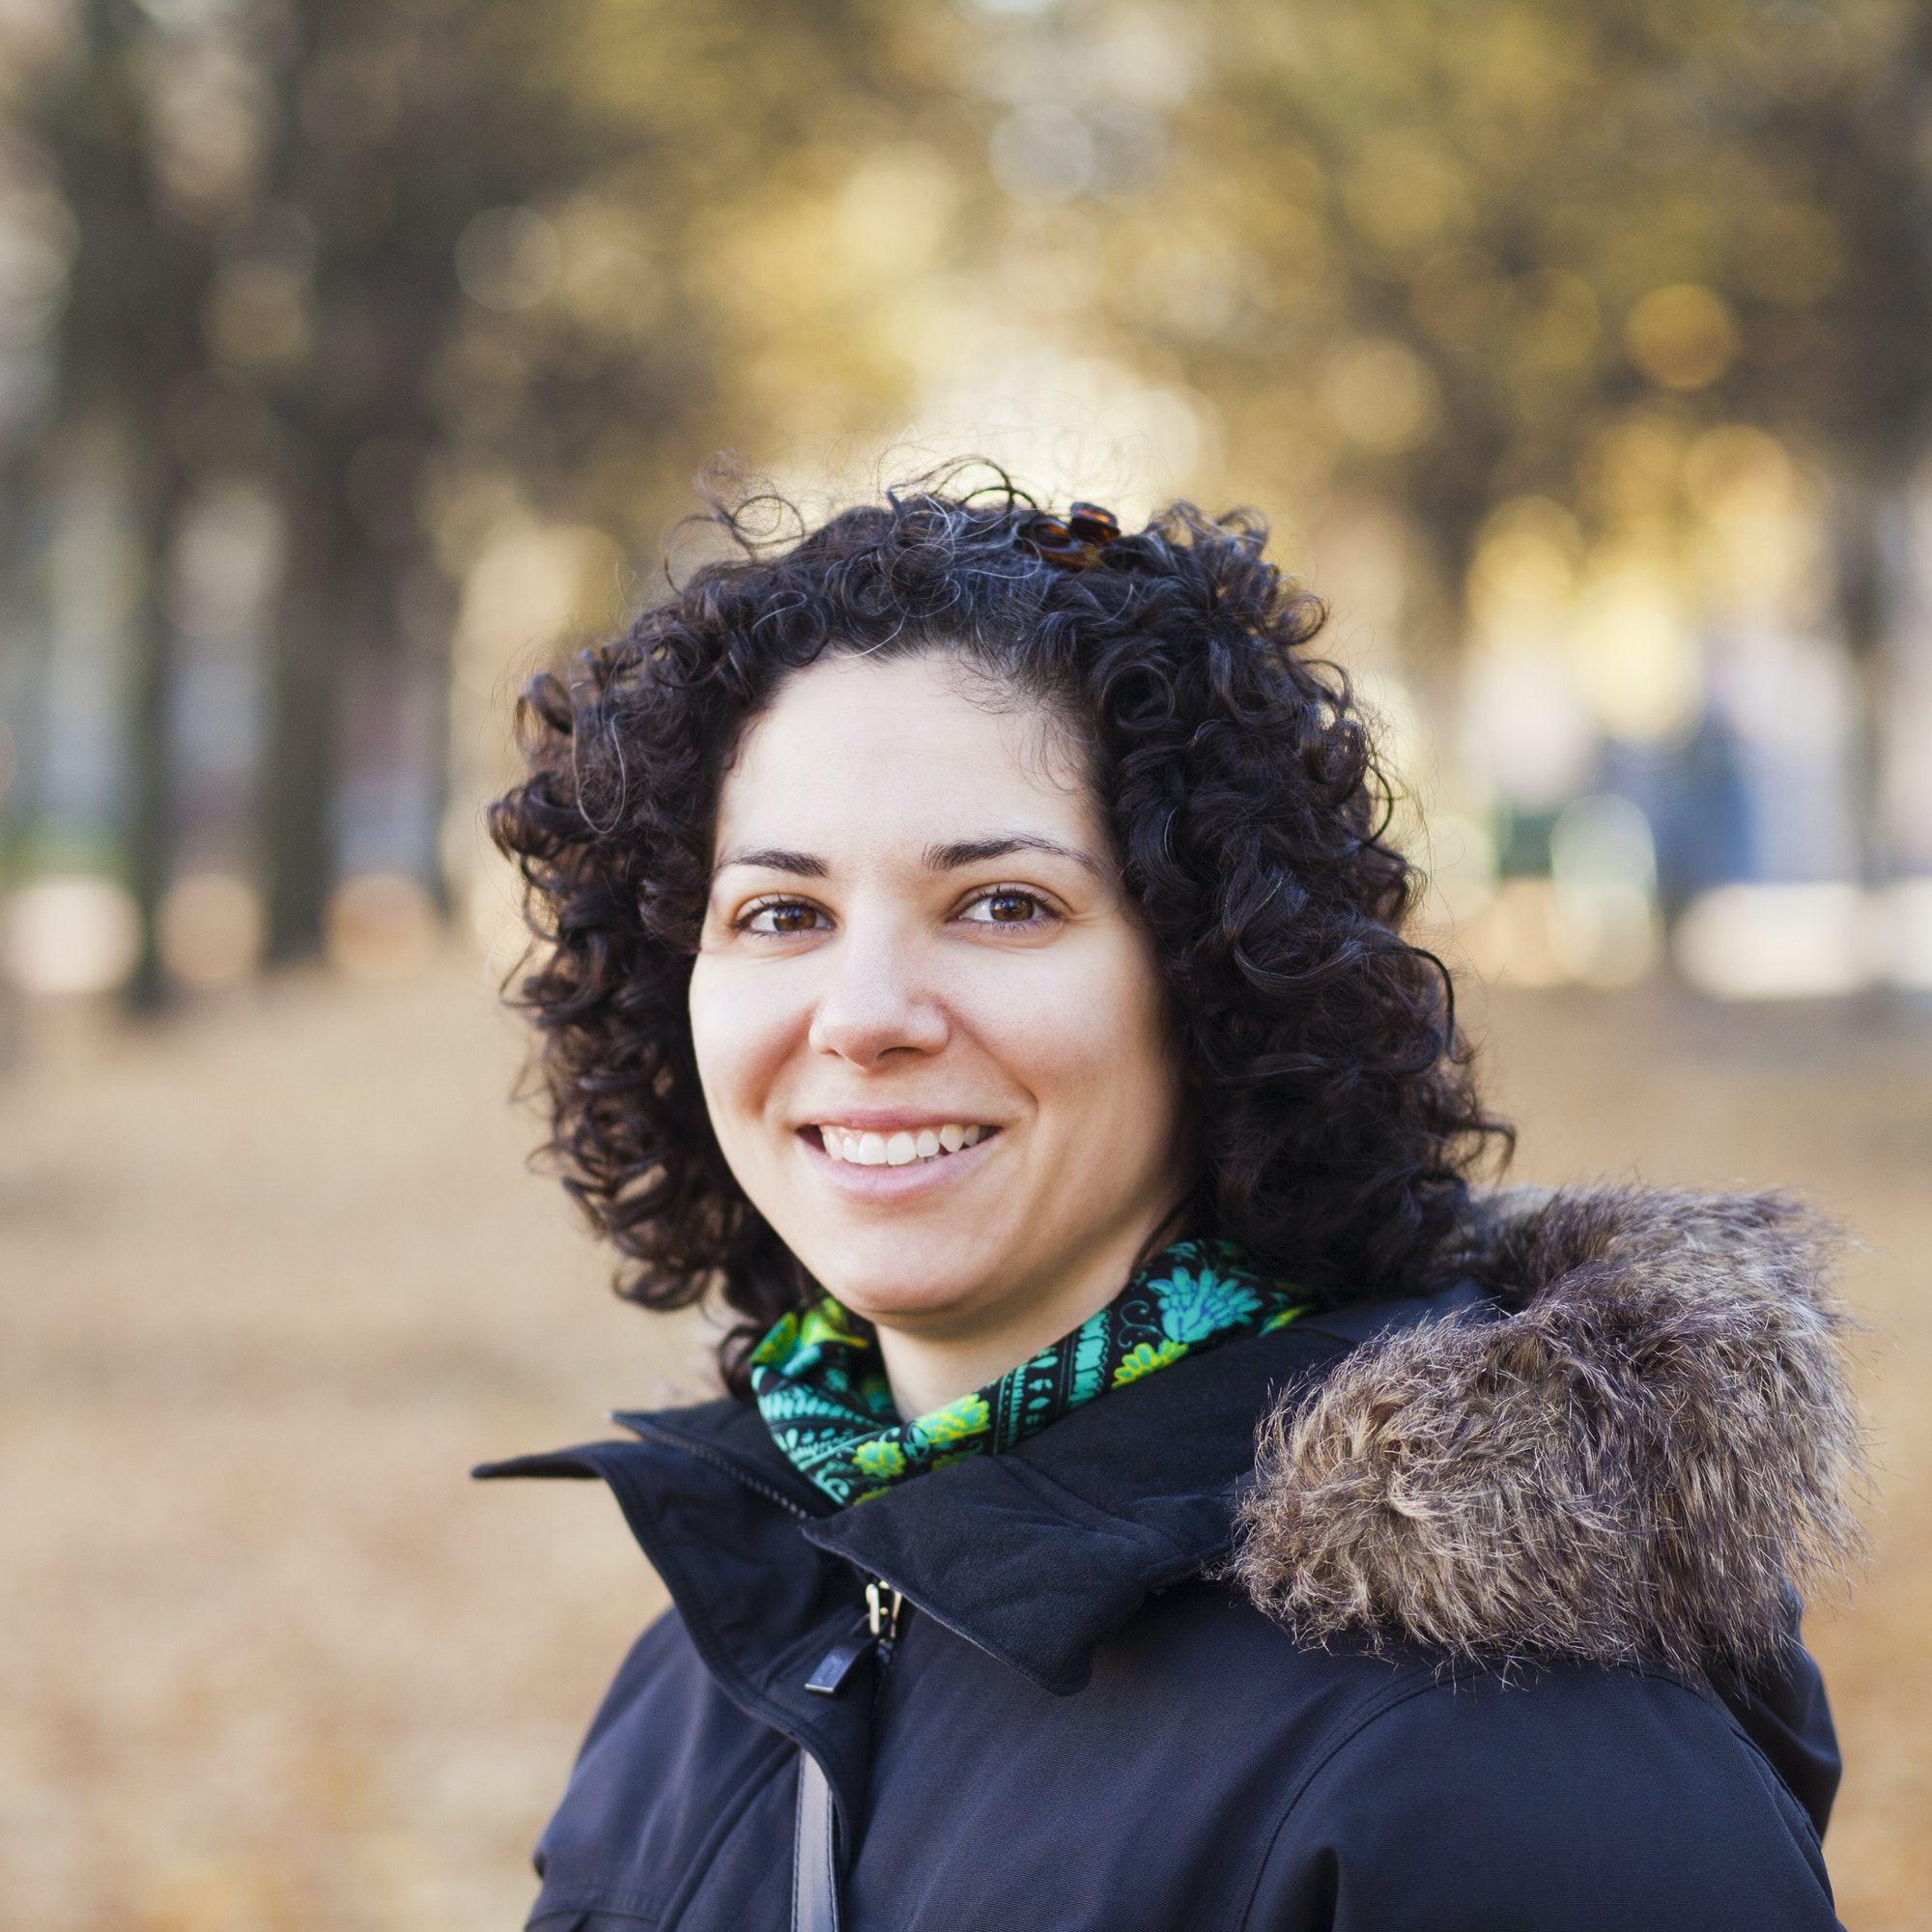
(930, 1365)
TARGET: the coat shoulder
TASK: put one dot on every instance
(1575, 1797)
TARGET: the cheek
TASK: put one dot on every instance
(1090, 1040)
(742, 1032)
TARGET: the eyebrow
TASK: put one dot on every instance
(977, 851)
(936, 857)
(775, 859)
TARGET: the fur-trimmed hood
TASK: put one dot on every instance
(1639, 1456)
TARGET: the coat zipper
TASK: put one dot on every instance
(884, 1604)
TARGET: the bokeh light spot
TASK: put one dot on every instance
(210, 930)
(1382, 395)
(508, 259)
(1043, 154)
(380, 925)
(1682, 336)
(68, 935)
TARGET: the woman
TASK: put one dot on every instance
(1154, 1491)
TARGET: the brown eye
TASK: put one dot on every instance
(1007, 909)
(788, 916)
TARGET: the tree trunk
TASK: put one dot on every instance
(151, 795)
(300, 786)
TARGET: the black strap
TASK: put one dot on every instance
(814, 1866)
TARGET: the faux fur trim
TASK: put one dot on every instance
(1640, 1458)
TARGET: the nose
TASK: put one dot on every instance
(875, 1003)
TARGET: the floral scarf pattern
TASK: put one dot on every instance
(820, 1383)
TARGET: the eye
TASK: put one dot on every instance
(1009, 905)
(784, 915)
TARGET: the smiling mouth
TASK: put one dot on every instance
(864, 1148)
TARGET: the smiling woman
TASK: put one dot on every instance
(973, 958)
(945, 953)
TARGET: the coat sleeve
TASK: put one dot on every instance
(1576, 1801)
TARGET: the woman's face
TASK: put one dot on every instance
(932, 1035)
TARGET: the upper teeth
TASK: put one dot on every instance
(871, 1149)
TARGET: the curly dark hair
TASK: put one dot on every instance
(1336, 1122)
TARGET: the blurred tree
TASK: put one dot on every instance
(416, 267)
(1450, 258)
(434, 270)
(1475, 236)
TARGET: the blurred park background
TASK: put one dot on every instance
(356, 360)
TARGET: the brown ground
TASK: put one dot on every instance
(275, 1276)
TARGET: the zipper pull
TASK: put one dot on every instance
(836, 1665)
(877, 1630)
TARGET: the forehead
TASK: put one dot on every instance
(902, 740)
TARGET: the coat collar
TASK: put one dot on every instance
(1041, 1554)
(1035, 1555)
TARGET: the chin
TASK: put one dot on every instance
(906, 1289)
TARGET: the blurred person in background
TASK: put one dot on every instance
(1157, 1488)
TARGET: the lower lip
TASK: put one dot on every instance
(897, 1184)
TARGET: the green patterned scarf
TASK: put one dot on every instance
(821, 1385)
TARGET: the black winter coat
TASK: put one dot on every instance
(1087, 1723)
